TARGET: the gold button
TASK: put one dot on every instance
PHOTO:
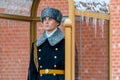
(39, 50)
(54, 74)
(40, 66)
(46, 71)
(54, 65)
(40, 74)
(39, 58)
(56, 49)
(55, 57)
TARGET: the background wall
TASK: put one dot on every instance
(91, 56)
(15, 43)
(115, 20)
(14, 49)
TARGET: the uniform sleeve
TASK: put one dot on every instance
(32, 71)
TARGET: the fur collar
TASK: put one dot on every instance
(53, 39)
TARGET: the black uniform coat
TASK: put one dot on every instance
(50, 55)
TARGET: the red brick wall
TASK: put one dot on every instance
(92, 50)
(115, 20)
(15, 44)
(14, 49)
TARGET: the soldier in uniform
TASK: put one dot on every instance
(47, 54)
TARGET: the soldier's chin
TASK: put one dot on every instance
(48, 29)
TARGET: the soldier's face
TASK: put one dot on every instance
(49, 24)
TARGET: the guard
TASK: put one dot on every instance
(47, 57)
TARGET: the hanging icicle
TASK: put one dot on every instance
(80, 69)
(100, 6)
(87, 20)
(82, 19)
(99, 22)
(102, 26)
(95, 26)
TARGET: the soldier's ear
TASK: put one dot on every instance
(58, 23)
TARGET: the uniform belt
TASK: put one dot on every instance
(51, 71)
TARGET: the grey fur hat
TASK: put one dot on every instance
(52, 13)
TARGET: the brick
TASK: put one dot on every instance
(14, 45)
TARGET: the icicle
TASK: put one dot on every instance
(94, 25)
(102, 26)
(87, 20)
(99, 21)
(80, 69)
(82, 19)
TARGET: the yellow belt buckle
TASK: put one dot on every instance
(46, 71)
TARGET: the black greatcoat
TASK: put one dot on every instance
(50, 53)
